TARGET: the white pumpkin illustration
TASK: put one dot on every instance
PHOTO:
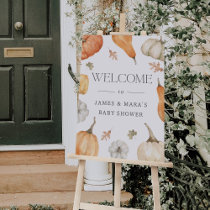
(152, 149)
(83, 111)
(153, 48)
(118, 149)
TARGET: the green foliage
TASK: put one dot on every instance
(138, 184)
(185, 186)
(12, 208)
(106, 203)
(193, 9)
(151, 16)
(40, 207)
(180, 86)
(88, 22)
(32, 207)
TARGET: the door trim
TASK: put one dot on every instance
(68, 96)
(31, 147)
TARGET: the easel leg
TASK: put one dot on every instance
(156, 188)
(79, 185)
(117, 188)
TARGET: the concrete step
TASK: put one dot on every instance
(37, 178)
(32, 157)
(58, 200)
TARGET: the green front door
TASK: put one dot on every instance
(30, 85)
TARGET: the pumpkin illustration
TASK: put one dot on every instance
(118, 149)
(87, 142)
(153, 48)
(91, 44)
(84, 83)
(152, 149)
(83, 111)
(161, 105)
(125, 43)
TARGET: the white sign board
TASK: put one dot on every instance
(121, 100)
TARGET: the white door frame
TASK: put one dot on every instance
(69, 97)
(67, 86)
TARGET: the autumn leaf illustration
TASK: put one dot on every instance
(106, 135)
(156, 67)
(131, 134)
(113, 55)
(90, 65)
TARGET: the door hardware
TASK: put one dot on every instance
(18, 26)
(19, 52)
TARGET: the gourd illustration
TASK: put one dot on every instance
(84, 83)
(152, 149)
(118, 149)
(87, 142)
(91, 44)
(153, 48)
(83, 111)
(161, 106)
(125, 43)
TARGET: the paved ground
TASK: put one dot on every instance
(59, 200)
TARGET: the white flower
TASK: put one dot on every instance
(118, 149)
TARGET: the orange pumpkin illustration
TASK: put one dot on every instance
(84, 83)
(161, 105)
(91, 44)
(87, 142)
(125, 43)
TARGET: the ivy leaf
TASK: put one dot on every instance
(199, 40)
(186, 93)
(191, 140)
(181, 146)
(199, 181)
(167, 118)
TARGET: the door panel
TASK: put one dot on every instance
(38, 98)
(30, 88)
(6, 93)
(36, 18)
(6, 18)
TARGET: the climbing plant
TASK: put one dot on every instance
(184, 27)
(31, 207)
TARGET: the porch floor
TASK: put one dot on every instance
(58, 200)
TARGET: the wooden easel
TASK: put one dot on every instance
(118, 164)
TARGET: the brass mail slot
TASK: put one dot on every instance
(19, 52)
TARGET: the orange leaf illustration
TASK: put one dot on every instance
(156, 67)
(113, 55)
(106, 135)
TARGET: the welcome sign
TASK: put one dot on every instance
(121, 98)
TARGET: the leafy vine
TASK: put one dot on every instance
(184, 27)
